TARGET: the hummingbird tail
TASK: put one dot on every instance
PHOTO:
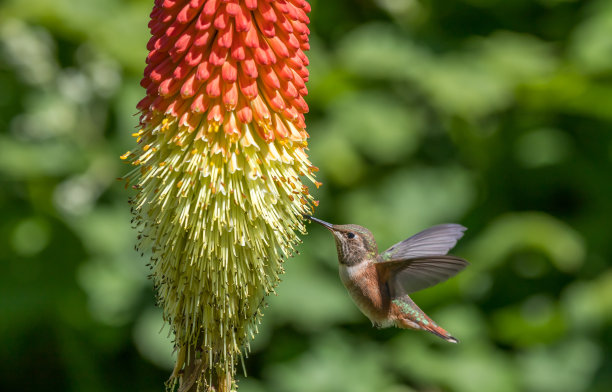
(410, 316)
(442, 333)
(431, 327)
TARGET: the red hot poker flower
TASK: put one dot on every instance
(230, 64)
(219, 167)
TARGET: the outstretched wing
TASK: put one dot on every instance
(410, 275)
(435, 241)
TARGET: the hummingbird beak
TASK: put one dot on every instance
(327, 225)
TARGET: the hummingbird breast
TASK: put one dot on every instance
(366, 291)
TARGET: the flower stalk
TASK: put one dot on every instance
(218, 170)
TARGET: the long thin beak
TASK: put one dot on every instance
(327, 225)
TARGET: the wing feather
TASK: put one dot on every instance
(435, 241)
(409, 275)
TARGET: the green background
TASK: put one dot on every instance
(490, 113)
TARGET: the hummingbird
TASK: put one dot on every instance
(380, 283)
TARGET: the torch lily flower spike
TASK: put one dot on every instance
(218, 170)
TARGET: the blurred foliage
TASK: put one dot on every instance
(495, 114)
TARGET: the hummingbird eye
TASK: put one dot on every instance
(350, 235)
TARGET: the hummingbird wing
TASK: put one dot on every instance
(406, 276)
(436, 240)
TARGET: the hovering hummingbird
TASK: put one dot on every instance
(379, 284)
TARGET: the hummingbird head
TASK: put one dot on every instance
(354, 243)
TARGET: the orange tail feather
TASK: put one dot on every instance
(410, 316)
(442, 333)
(429, 327)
